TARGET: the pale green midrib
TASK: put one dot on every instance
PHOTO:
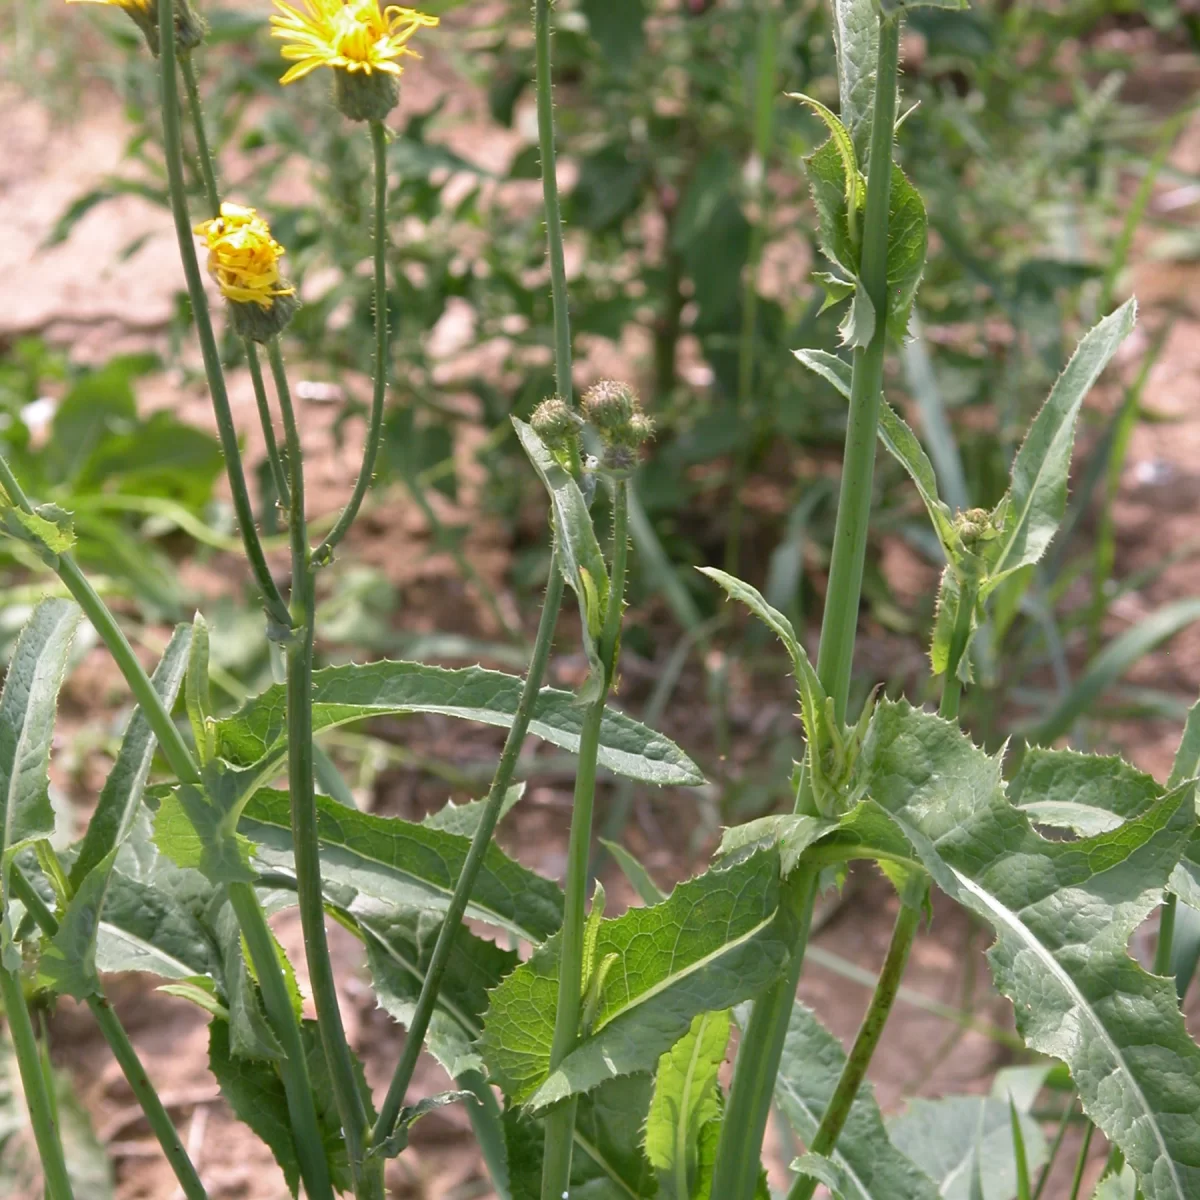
(1069, 986)
(835, 1154)
(692, 968)
(682, 1124)
(597, 1156)
(490, 916)
(150, 950)
(1109, 819)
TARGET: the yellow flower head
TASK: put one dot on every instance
(189, 30)
(348, 35)
(243, 257)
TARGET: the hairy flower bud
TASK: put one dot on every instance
(610, 406)
(555, 423)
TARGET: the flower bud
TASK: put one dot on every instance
(555, 423)
(365, 95)
(610, 406)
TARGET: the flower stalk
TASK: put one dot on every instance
(746, 1117)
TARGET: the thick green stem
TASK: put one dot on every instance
(293, 1066)
(114, 1033)
(379, 392)
(482, 839)
(759, 1052)
(226, 431)
(302, 788)
(554, 235)
(208, 171)
(560, 1123)
(37, 1093)
(861, 1053)
(745, 1118)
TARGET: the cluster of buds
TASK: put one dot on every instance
(615, 412)
(189, 29)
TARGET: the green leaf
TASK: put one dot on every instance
(898, 7)
(869, 1166)
(68, 960)
(254, 1090)
(27, 708)
(946, 1137)
(687, 1097)
(48, 529)
(197, 693)
(121, 796)
(255, 736)
(827, 180)
(1063, 912)
(639, 878)
(463, 819)
(1112, 662)
(856, 36)
(715, 941)
(908, 237)
(825, 1170)
(1187, 757)
(1117, 1187)
(399, 947)
(397, 1141)
(1020, 1157)
(1037, 497)
(579, 555)
(192, 831)
(900, 442)
(404, 864)
(790, 833)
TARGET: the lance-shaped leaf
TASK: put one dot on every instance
(946, 1137)
(868, 1165)
(121, 796)
(68, 960)
(856, 36)
(579, 555)
(687, 1097)
(254, 738)
(1062, 912)
(1037, 497)
(27, 707)
(716, 940)
(404, 864)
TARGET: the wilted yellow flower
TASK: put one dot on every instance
(348, 35)
(189, 30)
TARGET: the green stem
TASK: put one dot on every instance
(861, 1053)
(1166, 936)
(293, 1067)
(745, 1120)
(480, 844)
(38, 1100)
(302, 788)
(208, 171)
(554, 235)
(114, 1033)
(268, 426)
(379, 392)
(560, 1123)
(952, 682)
(226, 431)
(1081, 1161)
(170, 739)
(759, 1052)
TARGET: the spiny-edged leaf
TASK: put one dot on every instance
(836, 288)
(255, 736)
(27, 707)
(403, 863)
(714, 941)
(687, 1097)
(397, 1141)
(943, 1137)
(908, 237)
(579, 555)
(250, 1034)
(844, 144)
(399, 948)
(827, 180)
(1085, 793)
(48, 529)
(633, 870)
(463, 819)
(870, 1167)
(945, 620)
(1062, 912)
(1187, 757)
(68, 961)
(254, 1090)
(192, 832)
(1117, 1187)
(607, 1163)
(856, 36)
(825, 1170)
(198, 694)
(121, 795)
(790, 833)
(899, 441)
(857, 327)
(1038, 492)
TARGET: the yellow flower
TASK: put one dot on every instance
(141, 7)
(243, 257)
(348, 35)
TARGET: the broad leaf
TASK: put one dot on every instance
(943, 1138)
(687, 1097)
(121, 795)
(254, 737)
(1062, 912)
(716, 940)
(869, 1167)
(1037, 497)
(404, 864)
(27, 707)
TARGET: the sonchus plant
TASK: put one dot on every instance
(590, 1065)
